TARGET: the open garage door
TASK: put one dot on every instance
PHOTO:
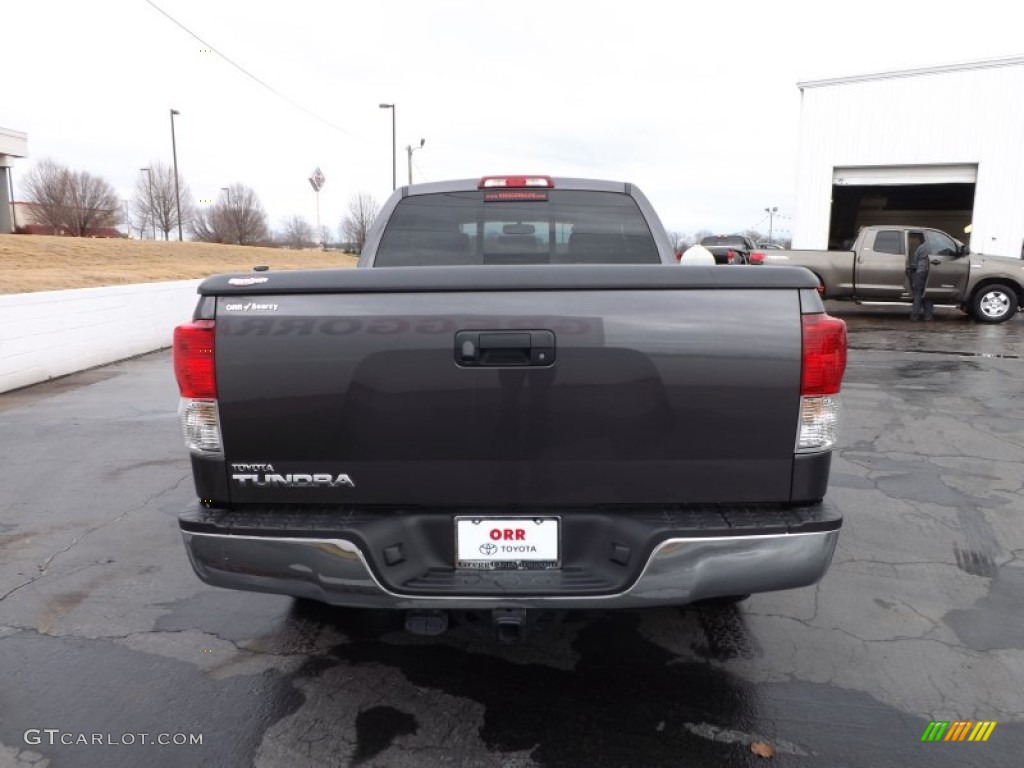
(939, 196)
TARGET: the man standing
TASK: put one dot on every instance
(917, 270)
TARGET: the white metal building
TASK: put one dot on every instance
(940, 147)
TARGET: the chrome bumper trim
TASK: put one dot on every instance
(679, 571)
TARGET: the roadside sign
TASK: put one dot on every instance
(317, 179)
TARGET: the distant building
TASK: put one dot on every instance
(27, 222)
(12, 144)
(935, 147)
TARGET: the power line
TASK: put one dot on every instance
(250, 75)
(765, 218)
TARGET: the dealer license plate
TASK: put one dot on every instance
(507, 543)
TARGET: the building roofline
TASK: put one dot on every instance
(1009, 61)
(13, 143)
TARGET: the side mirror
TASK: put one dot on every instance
(962, 251)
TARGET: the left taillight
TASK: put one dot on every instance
(194, 363)
(196, 371)
(824, 363)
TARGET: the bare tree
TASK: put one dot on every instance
(362, 210)
(155, 199)
(296, 232)
(127, 219)
(72, 202)
(674, 237)
(237, 217)
(208, 225)
(48, 186)
(94, 204)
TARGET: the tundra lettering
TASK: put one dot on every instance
(294, 481)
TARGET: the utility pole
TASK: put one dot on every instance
(771, 217)
(409, 150)
(177, 194)
(394, 149)
(316, 181)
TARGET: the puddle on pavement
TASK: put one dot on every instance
(996, 621)
(627, 701)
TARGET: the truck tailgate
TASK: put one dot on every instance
(648, 395)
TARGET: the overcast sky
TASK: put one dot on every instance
(695, 103)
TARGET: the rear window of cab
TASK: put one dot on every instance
(551, 226)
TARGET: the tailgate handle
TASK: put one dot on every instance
(504, 348)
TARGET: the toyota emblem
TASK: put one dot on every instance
(488, 548)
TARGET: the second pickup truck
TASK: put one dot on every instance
(989, 288)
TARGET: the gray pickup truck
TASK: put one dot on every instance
(517, 402)
(989, 288)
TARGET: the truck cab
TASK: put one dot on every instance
(882, 255)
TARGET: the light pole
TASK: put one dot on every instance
(149, 186)
(771, 217)
(177, 194)
(410, 149)
(394, 149)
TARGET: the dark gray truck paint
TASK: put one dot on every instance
(642, 404)
(666, 412)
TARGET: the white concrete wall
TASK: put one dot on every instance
(53, 333)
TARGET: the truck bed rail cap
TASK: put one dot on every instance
(514, 278)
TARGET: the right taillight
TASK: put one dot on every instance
(195, 370)
(757, 257)
(824, 362)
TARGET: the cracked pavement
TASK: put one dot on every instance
(104, 629)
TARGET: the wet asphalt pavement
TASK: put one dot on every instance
(105, 630)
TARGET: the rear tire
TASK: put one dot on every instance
(994, 303)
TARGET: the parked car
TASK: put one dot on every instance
(770, 247)
(730, 249)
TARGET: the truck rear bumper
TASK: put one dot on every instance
(679, 569)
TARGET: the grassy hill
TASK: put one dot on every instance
(39, 263)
